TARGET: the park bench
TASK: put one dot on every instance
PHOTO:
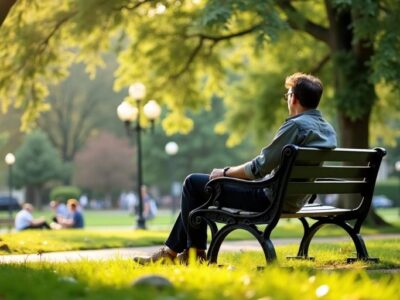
(304, 171)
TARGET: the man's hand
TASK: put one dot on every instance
(217, 173)
(231, 171)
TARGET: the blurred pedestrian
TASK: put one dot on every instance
(149, 204)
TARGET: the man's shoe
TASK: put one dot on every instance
(185, 257)
(161, 255)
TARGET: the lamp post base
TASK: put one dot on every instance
(141, 224)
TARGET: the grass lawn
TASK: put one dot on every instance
(325, 278)
(328, 277)
(118, 234)
(164, 220)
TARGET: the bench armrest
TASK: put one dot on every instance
(215, 186)
(262, 183)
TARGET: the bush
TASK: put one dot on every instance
(63, 193)
(390, 188)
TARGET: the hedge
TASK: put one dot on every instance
(63, 193)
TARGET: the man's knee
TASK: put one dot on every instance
(195, 182)
(188, 182)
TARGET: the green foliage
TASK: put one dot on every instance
(37, 162)
(385, 61)
(63, 193)
(182, 51)
(264, 14)
(4, 137)
(355, 87)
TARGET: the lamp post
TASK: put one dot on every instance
(10, 160)
(127, 113)
(171, 148)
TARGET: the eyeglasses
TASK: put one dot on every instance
(286, 95)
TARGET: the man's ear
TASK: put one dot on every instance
(295, 100)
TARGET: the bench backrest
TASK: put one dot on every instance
(333, 171)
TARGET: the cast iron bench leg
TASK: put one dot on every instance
(216, 242)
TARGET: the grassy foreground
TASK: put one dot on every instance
(238, 280)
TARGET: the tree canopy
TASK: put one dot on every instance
(37, 162)
(187, 51)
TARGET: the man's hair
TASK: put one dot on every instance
(307, 88)
(72, 203)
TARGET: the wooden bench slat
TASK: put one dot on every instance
(325, 187)
(235, 211)
(340, 154)
(330, 171)
(316, 213)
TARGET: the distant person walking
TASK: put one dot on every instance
(24, 219)
(132, 202)
(149, 204)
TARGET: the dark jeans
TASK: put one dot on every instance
(183, 235)
(41, 225)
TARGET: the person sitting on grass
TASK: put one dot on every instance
(74, 218)
(24, 219)
(304, 127)
(60, 210)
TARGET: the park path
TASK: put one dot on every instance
(126, 253)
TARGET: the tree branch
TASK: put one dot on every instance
(5, 7)
(298, 22)
(190, 60)
(215, 39)
(42, 46)
(132, 6)
(218, 38)
(319, 66)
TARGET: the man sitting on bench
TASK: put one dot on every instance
(304, 127)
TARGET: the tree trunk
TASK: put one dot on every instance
(353, 134)
(5, 7)
(33, 195)
(355, 94)
(29, 194)
(37, 201)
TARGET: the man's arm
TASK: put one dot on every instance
(37, 221)
(235, 172)
(66, 222)
(267, 160)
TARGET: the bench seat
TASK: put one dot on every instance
(309, 210)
